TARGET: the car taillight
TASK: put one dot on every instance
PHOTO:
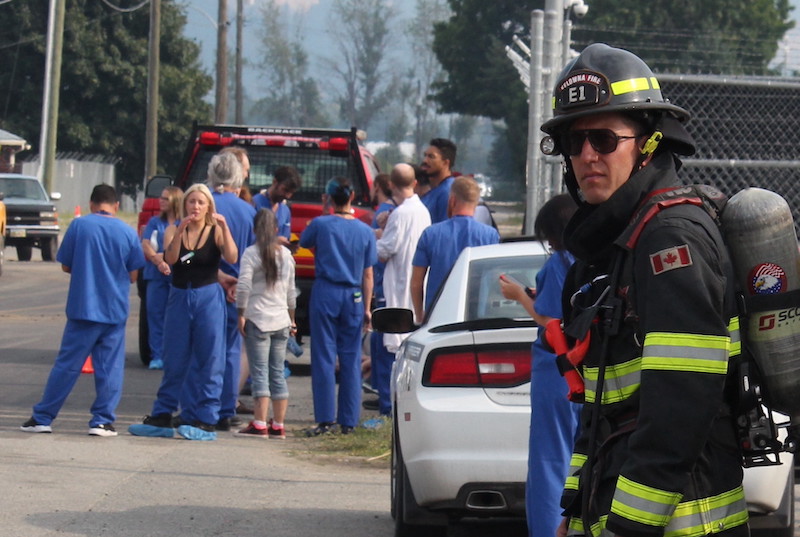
(484, 367)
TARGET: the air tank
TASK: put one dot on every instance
(759, 229)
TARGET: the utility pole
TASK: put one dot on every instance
(221, 110)
(52, 83)
(239, 93)
(153, 69)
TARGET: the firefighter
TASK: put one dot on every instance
(653, 291)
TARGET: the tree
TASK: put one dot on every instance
(292, 96)
(737, 36)
(362, 31)
(103, 82)
(714, 36)
(427, 70)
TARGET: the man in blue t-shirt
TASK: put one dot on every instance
(286, 180)
(440, 245)
(437, 163)
(102, 256)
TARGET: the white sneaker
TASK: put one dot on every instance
(104, 429)
(31, 426)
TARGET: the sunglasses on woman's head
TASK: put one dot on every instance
(604, 141)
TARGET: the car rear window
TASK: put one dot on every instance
(316, 167)
(485, 299)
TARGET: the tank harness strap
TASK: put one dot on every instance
(758, 303)
(703, 196)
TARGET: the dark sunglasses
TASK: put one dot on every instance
(604, 141)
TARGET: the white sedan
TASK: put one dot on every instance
(461, 396)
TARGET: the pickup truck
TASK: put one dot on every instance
(32, 218)
(318, 154)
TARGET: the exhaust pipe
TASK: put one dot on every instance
(486, 500)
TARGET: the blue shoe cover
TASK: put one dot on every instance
(195, 433)
(141, 429)
(156, 364)
(373, 423)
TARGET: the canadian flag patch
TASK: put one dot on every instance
(671, 258)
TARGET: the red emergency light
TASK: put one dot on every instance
(215, 138)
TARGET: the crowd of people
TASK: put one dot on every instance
(219, 271)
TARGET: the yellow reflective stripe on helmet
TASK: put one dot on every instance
(705, 516)
(643, 504)
(695, 353)
(620, 381)
(654, 83)
(736, 336)
(627, 86)
(573, 475)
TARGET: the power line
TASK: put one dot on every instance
(123, 9)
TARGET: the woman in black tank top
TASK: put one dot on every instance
(194, 350)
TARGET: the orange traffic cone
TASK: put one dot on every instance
(87, 365)
(77, 211)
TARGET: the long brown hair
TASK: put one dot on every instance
(265, 227)
(174, 194)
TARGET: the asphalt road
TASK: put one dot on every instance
(68, 483)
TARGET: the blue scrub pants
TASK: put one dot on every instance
(194, 354)
(106, 344)
(157, 294)
(233, 361)
(382, 361)
(554, 427)
(336, 316)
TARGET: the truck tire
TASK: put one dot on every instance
(24, 252)
(49, 249)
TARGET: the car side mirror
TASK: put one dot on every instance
(55, 196)
(393, 320)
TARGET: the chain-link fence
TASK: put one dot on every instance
(747, 132)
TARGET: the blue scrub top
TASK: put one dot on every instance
(100, 251)
(239, 215)
(549, 283)
(343, 249)
(436, 200)
(440, 245)
(379, 267)
(155, 226)
(283, 216)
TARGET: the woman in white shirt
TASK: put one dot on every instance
(265, 299)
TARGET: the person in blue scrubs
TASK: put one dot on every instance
(102, 255)
(157, 271)
(194, 356)
(437, 163)
(225, 183)
(554, 419)
(440, 245)
(384, 204)
(286, 180)
(339, 308)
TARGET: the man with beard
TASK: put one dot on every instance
(286, 181)
(437, 162)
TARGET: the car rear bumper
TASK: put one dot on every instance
(447, 461)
